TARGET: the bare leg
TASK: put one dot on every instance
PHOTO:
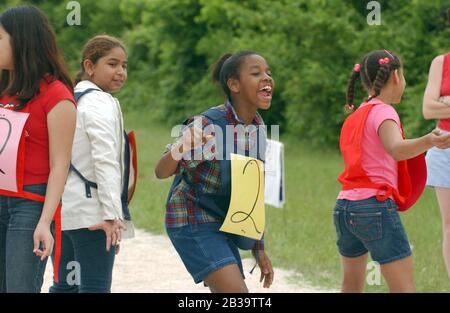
(399, 275)
(443, 197)
(228, 279)
(354, 272)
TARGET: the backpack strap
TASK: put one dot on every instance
(215, 115)
(79, 94)
(124, 195)
(87, 183)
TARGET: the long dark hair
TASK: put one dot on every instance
(35, 54)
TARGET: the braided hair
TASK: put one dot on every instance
(374, 72)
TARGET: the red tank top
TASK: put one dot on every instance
(445, 89)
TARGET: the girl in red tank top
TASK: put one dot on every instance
(436, 105)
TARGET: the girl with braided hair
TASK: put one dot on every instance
(378, 180)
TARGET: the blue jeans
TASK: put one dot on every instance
(85, 265)
(370, 226)
(20, 269)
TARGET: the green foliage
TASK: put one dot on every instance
(311, 47)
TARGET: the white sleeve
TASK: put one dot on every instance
(100, 123)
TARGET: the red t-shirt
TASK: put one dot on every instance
(37, 165)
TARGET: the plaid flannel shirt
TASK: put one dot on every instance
(205, 174)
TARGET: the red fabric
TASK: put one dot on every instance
(410, 187)
(133, 152)
(35, 197)
(445, 89)
(33, 157)
(36, 159)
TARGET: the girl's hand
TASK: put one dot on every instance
(43, 240)
(113, 231)
(192, 138)
(265, 266)
(439, 140)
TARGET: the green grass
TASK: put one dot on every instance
(300, 236)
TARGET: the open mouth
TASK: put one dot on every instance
(265, 92)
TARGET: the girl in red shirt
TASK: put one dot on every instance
(33, 81)
(436, 105)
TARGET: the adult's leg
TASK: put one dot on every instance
(443, 197)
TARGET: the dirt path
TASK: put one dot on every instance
(149, 263)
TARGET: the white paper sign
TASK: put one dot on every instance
(274, 191)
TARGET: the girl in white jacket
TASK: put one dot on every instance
(92, 218)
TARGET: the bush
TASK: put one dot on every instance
(311, 47)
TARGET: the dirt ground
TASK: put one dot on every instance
(149, 263)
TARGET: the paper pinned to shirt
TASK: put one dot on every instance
(246, 215)
(12, 125)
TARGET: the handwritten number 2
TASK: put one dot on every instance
(2, 148)
(249, 215)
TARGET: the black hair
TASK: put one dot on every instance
(372, 74)
(228, 66)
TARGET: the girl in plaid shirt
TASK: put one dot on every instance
(200, 195)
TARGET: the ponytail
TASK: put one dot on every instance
(81, 75)
(228, 66)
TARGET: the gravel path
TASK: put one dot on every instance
(149, 263)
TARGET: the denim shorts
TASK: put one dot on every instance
(370, 226)
(204, 249)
